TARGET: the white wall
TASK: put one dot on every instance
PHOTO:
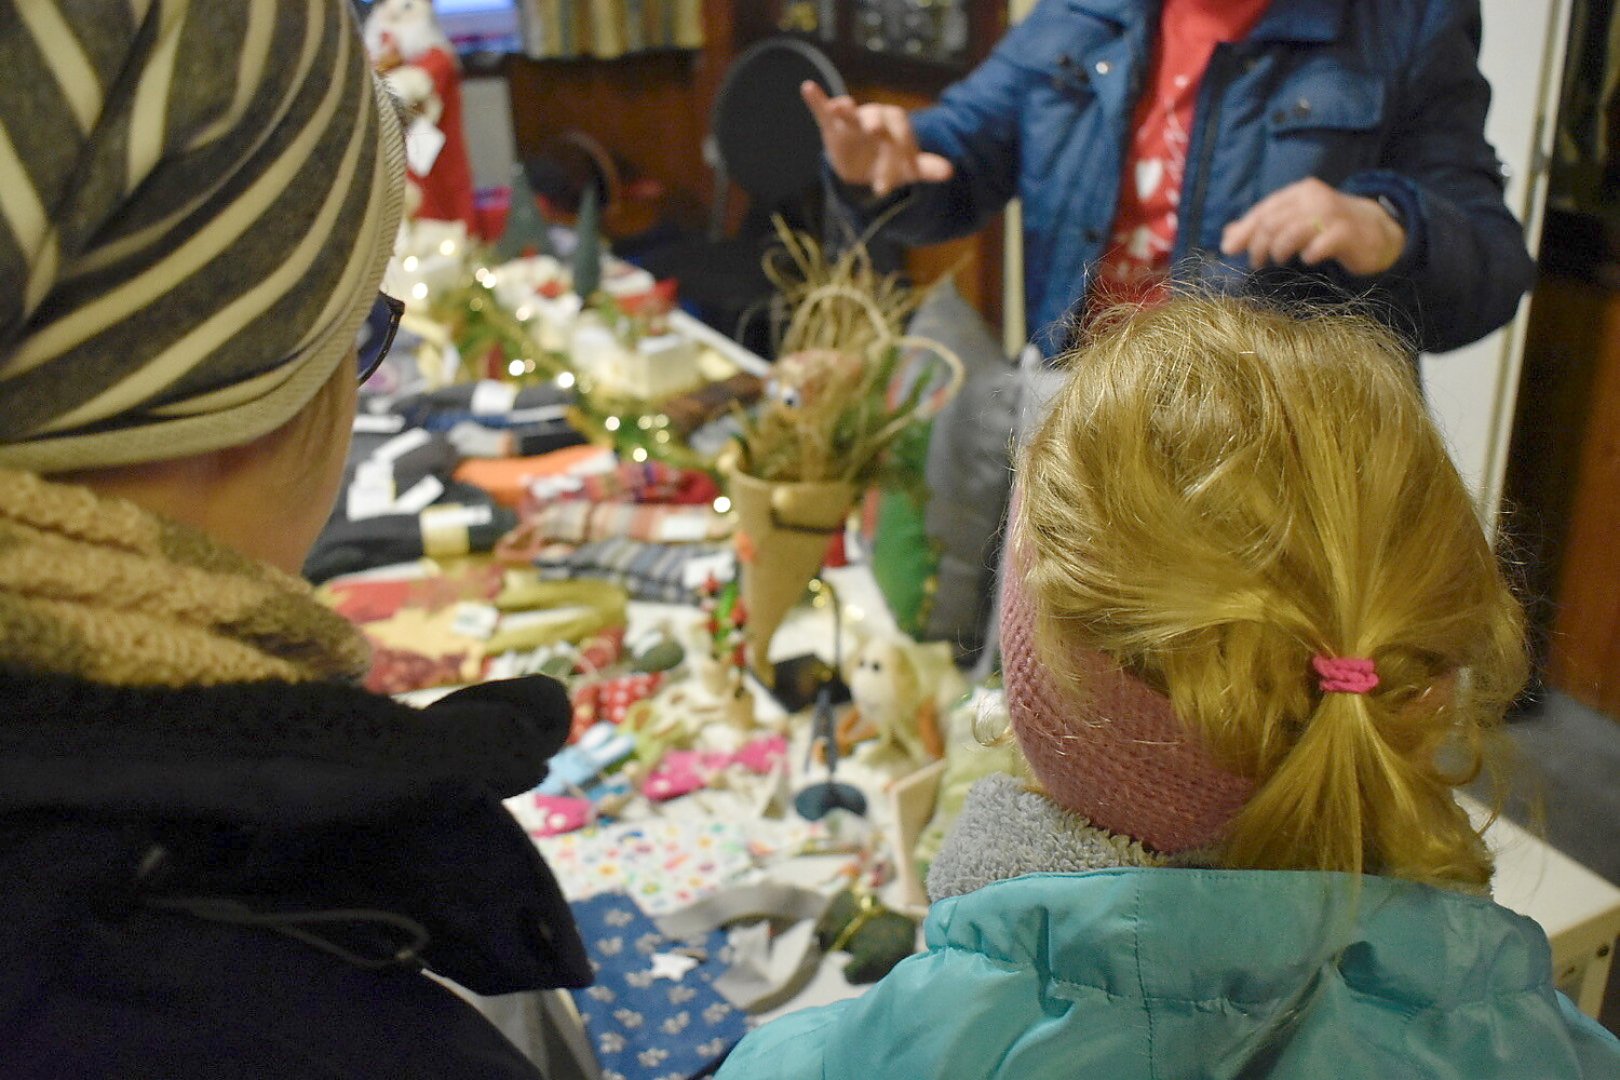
(486, 120)
(1473, 389)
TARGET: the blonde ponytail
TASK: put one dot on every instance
(1224, 491)
(1344, 798)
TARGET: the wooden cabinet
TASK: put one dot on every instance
(1564, 484)
(919, 46)
(641, 108)
(1584, 653)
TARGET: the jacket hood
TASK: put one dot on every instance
(267, 803)
(1005, 830)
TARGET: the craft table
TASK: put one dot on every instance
(546, 1025)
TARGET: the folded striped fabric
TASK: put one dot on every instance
(583, 522)
(652, 572)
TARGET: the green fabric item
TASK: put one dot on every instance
(875, 937)
(905, 560)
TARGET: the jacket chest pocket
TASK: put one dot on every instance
(1055, 114)
(1072, 64)
(1324, 120)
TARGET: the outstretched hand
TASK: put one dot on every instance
(1314, 222)
(872, 145)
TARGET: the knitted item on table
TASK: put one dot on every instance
(463, 520)
(1117, 756)
(99, 589)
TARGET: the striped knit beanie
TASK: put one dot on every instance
(197, 202)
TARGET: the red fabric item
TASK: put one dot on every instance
(610, 699)
(398, 671)
(602, 651)
(837, 553)
(376, 599)
(650, 482)
(369, 601)
(1136, 266)
(658, 300)
(447, 189)
(491, 205)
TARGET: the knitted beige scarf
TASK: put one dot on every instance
(99, 589)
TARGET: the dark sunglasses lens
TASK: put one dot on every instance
(377, 333)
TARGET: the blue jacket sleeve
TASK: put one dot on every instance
(1466, 265)
(975, 126)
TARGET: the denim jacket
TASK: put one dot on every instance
(1376, 97)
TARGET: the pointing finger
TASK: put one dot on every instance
(816, 98)
(934, 169)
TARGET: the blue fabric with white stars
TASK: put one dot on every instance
(646, 1028)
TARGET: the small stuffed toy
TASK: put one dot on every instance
(408, 47)
(897, 689)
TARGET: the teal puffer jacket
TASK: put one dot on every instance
(1159, 973)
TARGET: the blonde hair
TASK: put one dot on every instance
(1223, 491)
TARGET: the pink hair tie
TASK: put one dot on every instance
(1345, 674)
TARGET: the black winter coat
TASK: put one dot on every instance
(245, 881)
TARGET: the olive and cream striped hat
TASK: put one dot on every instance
(197, 202)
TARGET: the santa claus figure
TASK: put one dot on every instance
(408, 47)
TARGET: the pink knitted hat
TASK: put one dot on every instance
(1117, 756)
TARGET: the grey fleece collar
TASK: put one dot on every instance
(1005, 831)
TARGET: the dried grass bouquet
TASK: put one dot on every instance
(849, 381)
